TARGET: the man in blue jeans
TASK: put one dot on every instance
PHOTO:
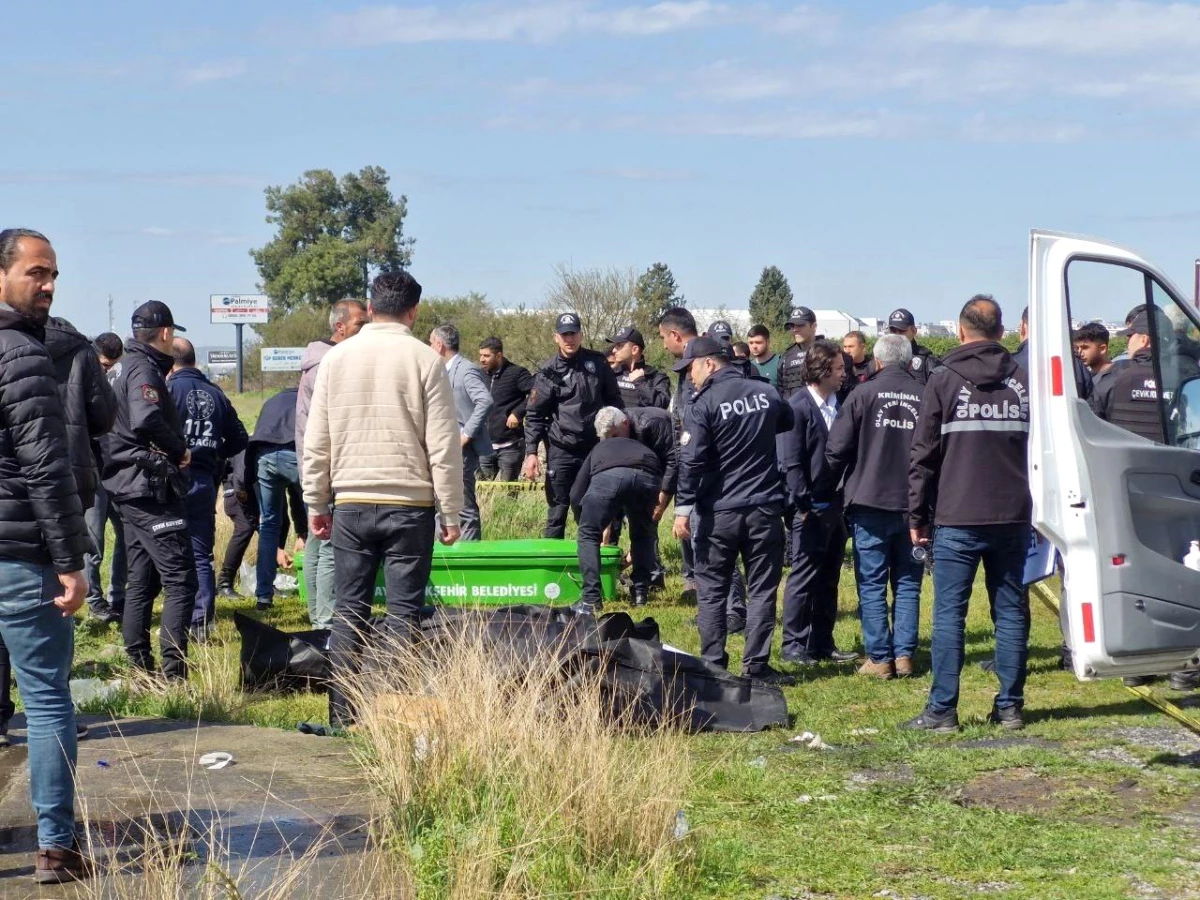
(271, 462)
(214, 433)
(969, 456)
(43, 540)
(869, 446)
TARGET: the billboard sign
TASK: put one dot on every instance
(239, 309)
(282, 359)
(222, 357)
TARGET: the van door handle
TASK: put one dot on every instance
(1195, 477)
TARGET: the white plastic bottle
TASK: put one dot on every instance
(1192, 560)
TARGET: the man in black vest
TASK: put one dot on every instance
(803, 326)
(902, 322)
(568, 391)
(1133, 401)
(145, 462)
(639, 384)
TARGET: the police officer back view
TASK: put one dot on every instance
(968, 476)
(214, 434)
(143, 456)
(729, 472)
(568, 391)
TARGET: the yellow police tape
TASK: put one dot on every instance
(1048, 598)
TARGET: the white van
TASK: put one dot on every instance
(1121, 509)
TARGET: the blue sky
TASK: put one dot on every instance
(882, 154)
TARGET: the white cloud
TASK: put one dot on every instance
(1083, 27)
(156, 231)
(982, 128)
(218, 70)
(533, 22)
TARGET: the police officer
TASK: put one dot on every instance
(722, 333)
(214, 434)
(868, 449)
(568, 391)
(803, 325)
(1132, 403)
(729, 474)
(640, 384)
(144, 456)
(975, 410)
(924, 362)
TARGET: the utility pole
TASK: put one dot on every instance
(110, 312)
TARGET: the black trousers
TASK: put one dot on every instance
(365, 536)
(245, 526)
(561, 469)
(756, 535)
(811, 595)
(611, 495)
(503, 464)
(160, 555)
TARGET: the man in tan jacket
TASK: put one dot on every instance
(383, 437)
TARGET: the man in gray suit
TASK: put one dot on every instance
(473, 400)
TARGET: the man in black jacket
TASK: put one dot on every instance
(729, 474)
(803, 325)
(869, 447)
(214, 434)
(818, 536)
(567, 393)
(968, 477)
(145, 456)
(862, 363)
(923, 363)
(639, 384)
(108, 349)
(620, 477)
(272, 469)
(42, 544)
(510, 385)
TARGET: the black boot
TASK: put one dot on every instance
(640, 597)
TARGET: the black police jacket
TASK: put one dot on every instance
(567, 394)
(791, 371)
(510, 386)
(654, 428)
(211, 426)
(924, 363)
(41, 517)
(871, 440)
(727, 456)
(147, 429)
(1132, 402)
(970, 447)
(89, 405)
(652, 389)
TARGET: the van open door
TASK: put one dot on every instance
(1121, 508)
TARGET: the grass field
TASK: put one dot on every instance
(1097, 798)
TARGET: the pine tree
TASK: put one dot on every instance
(656, 293)
(771, 302)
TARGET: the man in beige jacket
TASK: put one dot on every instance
(383, 437)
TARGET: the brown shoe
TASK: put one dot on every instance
(904, 666)
(62, 866)
(884, 670)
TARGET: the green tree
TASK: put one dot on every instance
(656, 293)
(771, 302)
(332, 236)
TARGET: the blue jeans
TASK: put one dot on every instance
(957, 553)
(41, 643)
(102, 512)
(276, 470)
(319, 581)
(201, 506)
(883, 555)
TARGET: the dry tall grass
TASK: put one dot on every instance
(504, 779)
